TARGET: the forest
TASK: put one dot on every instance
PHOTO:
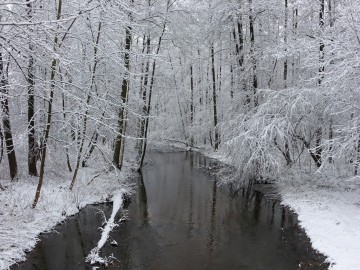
(270, 85)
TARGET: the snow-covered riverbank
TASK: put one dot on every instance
(328, 209)
(20, 225)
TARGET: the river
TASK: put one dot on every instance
(179, 218)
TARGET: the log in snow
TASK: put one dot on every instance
(94, 257)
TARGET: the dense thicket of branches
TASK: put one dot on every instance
(275, 83)
(72, 80)
(272, 83)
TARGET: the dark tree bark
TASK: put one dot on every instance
(238, 36)
(32, 146)
(285, 42)
(68, 163)
(148, 109)
(191, 102)
(319, 131)
(214, 97)
(90, 148)
(1, 144)
(143, 93)
(357, 164)
(253, 58)
(4, 100)
(331, 13)
(232, 81)
(119, 141)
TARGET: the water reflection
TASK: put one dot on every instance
(212, 220)
(180, 218)
(143, 198)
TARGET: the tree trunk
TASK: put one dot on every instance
(191, 103)
(144, 146)
(285, 42)
(1, 144)
(44, 142)
(144, 98)
(232, 83)
(240, 55)
(252, 52)
(214, 96)
(357, 165)
(295, 26)
(331, 13)
(32, 145)
(179, 104)
(319, 132)
(68, 163)
(84, 126)
(119, 141)
(4, 100)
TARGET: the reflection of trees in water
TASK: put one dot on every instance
(212, 228)
(143, 201)
(257, 198)
(191, 209)
(81, 237)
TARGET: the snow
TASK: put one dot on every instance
(329, 211)
(94, 256)
(20, 225)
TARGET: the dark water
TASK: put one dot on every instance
(180, 219)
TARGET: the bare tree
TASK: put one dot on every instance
(4, 101)
(32, 145)
(120, 138)
(49, 114)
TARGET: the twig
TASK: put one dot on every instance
(96, 176)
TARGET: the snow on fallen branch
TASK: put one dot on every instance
(94, 256)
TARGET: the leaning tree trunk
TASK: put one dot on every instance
(44, 142)
(148, 109)
(4, 100)
(85, 117)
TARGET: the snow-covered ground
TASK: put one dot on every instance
(328, 209)
(20, 225)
